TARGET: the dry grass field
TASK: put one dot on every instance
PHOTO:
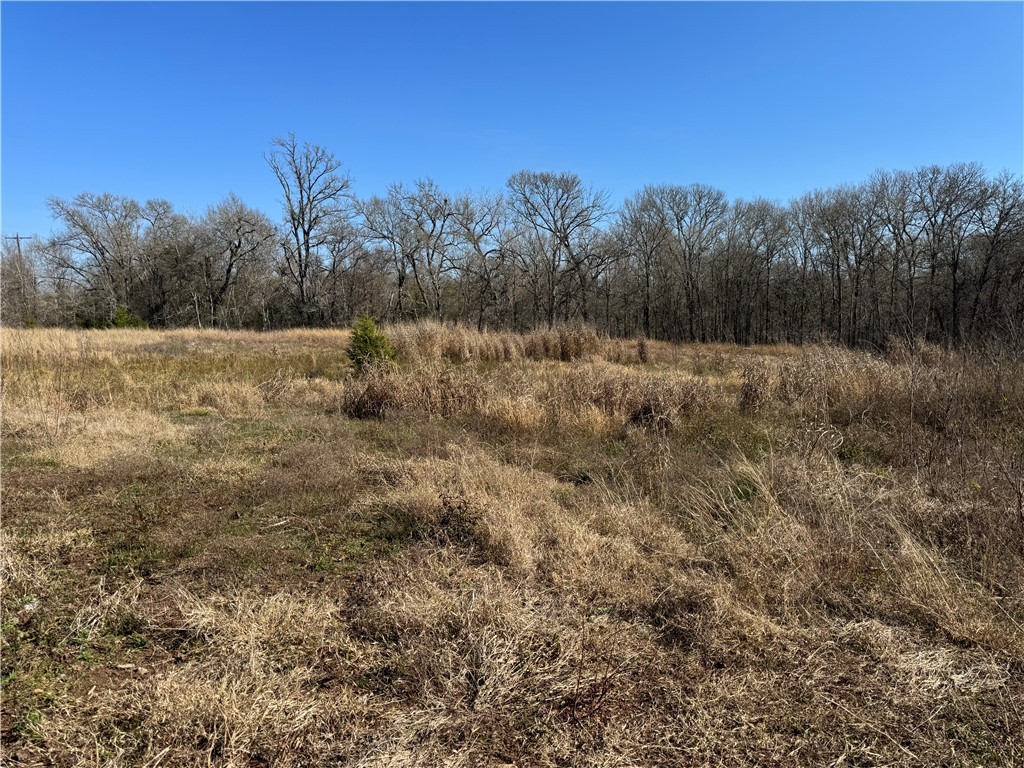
(547, 550)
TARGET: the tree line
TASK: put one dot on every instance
(934, 253)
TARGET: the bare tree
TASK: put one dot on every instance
(99, 248)
(904, 226)
(766, 231)
(20, 278)
(431, 219)
(236, 239)
(937, 252)
(482, 226)
(563, 216)
(998, 251)
(647, 236)
(347, 255)
(387, 227)
(697, 215)
(170, 269)
(950, 199)
(316, 199)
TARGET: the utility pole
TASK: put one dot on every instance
(22, 277)
(18, 238)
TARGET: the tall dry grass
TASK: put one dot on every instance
(598, 395)
(428, 341)
(226, 549)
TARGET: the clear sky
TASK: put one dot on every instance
(181, 100)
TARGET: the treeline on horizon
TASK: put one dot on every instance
(936, 253)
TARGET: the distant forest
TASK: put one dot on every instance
(935, 253)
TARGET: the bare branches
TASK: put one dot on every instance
(937, 253)
(563, 215)
(316, 199)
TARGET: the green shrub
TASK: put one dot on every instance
(368, 345)
(124, 319)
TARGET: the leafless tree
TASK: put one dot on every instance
(949, 199)
(170, 268)
(236, 238)
(316, 198)
(99, 248)
(697, 215)
(937, 252)
(647, 236)
(387, 227)
(563, 216)
(486, 264)
(20, 283)
(432, 223)
(998, 251)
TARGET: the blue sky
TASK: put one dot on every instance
(181, 100)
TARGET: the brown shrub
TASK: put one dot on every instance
(643, 352)
(445, 390)
(639, 398)
(373, 394)
(760, 382)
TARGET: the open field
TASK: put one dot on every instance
(552, 550)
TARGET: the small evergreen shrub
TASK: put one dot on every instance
(369, 345)
(124, 319)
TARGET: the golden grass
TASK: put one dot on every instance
(550, 549)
